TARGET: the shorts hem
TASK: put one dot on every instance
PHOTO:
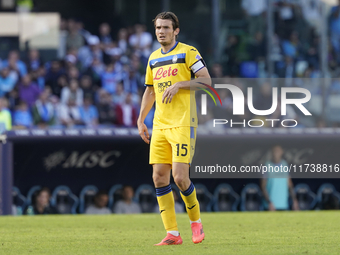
(161, 128)
(152, 163)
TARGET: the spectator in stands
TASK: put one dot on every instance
(335, 29)
(119, 96)
(14, 63)
(257, 48)
(73, 73)
(96, 70)
(38, 77)
(104, 34)
(33, 61)
(287, 18)
(132, 80)
(312, 55)
(87, 86)
(110, 79)
(231, 52)
(100, 204)
(127, 113)
(42, 204)
(127, 206)
(311, 10)
(112, 52)
(292, 47)
(86, 54)
(217, 71)
(84, 33)
(70, 61)
(43, 111)
(8, 79)
(5, 116)
(286, 70)
(62, 82)
(141, 41)
(106, 111)
(277, 186)
(74, 38)
(53, 75)
(123, 40)
(89, 113)
(62, 38)
(254, 10)
(69, 114)
(13, 98)
(22, 116)
(72, 92)
(28, 91)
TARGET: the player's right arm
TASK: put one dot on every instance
(147, 102)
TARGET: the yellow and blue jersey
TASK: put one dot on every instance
(180, 63)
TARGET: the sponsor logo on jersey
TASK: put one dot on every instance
(163, 85)
(163, 73)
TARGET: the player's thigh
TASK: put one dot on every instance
(182, 140)
(160, 148)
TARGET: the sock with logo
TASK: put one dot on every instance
(191, 203)
(166, 204)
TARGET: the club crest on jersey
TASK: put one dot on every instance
(174, 59)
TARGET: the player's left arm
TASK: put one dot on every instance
(196, 65)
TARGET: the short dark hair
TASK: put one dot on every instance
(167, 15)
(44, 189)
(101, 193)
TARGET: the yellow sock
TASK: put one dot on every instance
(191, 203)
(166, 204)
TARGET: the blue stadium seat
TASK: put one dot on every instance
(115, 194)
(204, 197)
(225, 198)
(249, 69)
(251, 198)
(19, 200)
(145, 195)
(31, 194)
(305, 197)
(86, 197)
(64, 200)
(328, 197)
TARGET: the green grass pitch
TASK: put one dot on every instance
(239, 233)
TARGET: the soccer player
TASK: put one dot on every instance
(168, 81)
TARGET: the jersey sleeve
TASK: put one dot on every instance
(194, 60)
(148, 75)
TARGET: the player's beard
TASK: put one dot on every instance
(168, 42)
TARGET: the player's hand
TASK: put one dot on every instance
(271, 207)
(169, 93)
(143, 132)
(295, 205)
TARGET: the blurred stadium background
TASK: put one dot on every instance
(72, 77)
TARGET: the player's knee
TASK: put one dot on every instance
(180, 182)
(159, 180)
